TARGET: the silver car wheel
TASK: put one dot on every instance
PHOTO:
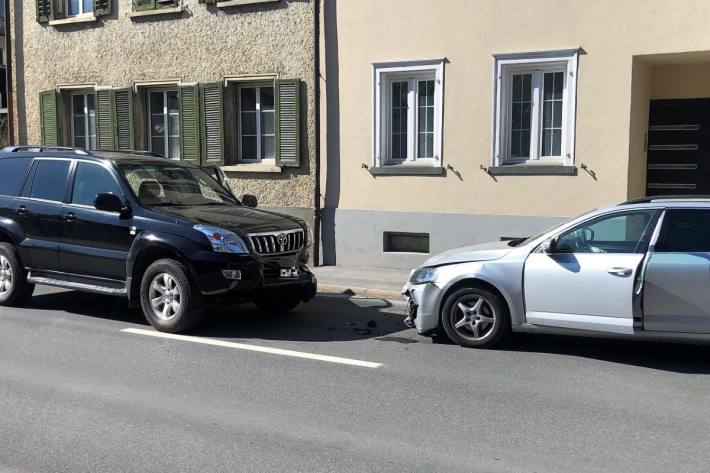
(473, 318)
(165, 296)
(5, 276)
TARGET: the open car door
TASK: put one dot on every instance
(586, 278)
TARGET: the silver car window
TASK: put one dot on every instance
(617, 233)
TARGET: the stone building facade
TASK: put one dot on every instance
(222, 82)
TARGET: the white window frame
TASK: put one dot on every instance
(87, 129)
(258, 87)
(537, 63)
(81, 9)
(166, 120)
(413, 71)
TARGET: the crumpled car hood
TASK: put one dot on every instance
(481, 252)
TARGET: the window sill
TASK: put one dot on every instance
(252, 167)
(72, 20)
(407, 170)
(236, 3)
(157, 11)
(532, 170)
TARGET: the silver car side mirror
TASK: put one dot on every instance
(548, 246)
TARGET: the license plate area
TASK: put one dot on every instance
(290, 273)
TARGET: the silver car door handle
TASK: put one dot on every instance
(616, 271)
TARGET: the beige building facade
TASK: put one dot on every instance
(226, 83)
(457, 122)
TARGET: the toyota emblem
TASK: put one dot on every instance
(282, 239)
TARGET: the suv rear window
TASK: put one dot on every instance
(12, 173)
(50, 180)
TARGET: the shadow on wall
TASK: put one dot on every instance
(332, 178)
(19, 72)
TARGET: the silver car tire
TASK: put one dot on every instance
(171, 302)
(15, 291)
(475, 317)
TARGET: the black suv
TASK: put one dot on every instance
(168, 235)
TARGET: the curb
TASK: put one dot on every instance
(359, 292)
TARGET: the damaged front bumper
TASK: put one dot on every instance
(422, 306)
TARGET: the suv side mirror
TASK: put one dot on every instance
(250, 200)
(549, 246)
(108, 202)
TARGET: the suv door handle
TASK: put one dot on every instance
(616, 271)
(21, 210)
(70, 217)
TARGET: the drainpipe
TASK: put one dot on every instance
(8, 76)
(316, 122)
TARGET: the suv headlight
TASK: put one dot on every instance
(223, 241)
(423, 275)
(309, 236)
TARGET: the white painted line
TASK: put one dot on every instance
(244, 346)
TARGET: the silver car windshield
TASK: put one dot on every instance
(528, 240)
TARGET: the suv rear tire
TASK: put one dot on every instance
(15, 291)
(170, 301)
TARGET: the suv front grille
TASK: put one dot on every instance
(273, 243)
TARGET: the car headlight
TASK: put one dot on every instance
(223, 241)
(309, 236)
(423, 275)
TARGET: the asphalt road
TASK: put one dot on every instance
(79, 394)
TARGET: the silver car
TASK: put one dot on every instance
(639, 269)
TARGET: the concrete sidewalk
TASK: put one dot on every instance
(361, 281)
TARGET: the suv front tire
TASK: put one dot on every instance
(170, 301)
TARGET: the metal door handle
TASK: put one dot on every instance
(616, 271)
(22, 210)
(70, 217)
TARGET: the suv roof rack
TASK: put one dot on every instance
(42, 148)
(661, 198)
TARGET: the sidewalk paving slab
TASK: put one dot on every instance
(383, 283)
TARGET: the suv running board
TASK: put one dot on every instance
(79, 283)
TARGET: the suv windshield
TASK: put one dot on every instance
(172, 185)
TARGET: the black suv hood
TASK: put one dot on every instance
(232, 217)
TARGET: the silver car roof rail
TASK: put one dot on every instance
(661, 198)
(43, 148)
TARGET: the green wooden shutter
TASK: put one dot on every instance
(190, 123)
(105, 120)
(288, 119)
(45, 10)
(212, 101)
(142, 5)
(123, 103)
(48, 117)
(102, 7)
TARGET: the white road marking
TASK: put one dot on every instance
(257, 348)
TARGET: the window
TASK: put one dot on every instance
(408, 113)
(12, 173)
(92, 179)
(685, 231)
(256, 124)
(83, 120)
(78, 7)
(399, 242)
(50, 179)
(617, 233)
(535, 108)
(164, 119)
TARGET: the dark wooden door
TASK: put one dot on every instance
(679, 147)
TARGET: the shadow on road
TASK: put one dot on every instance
(679, 358)
(325, 319)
